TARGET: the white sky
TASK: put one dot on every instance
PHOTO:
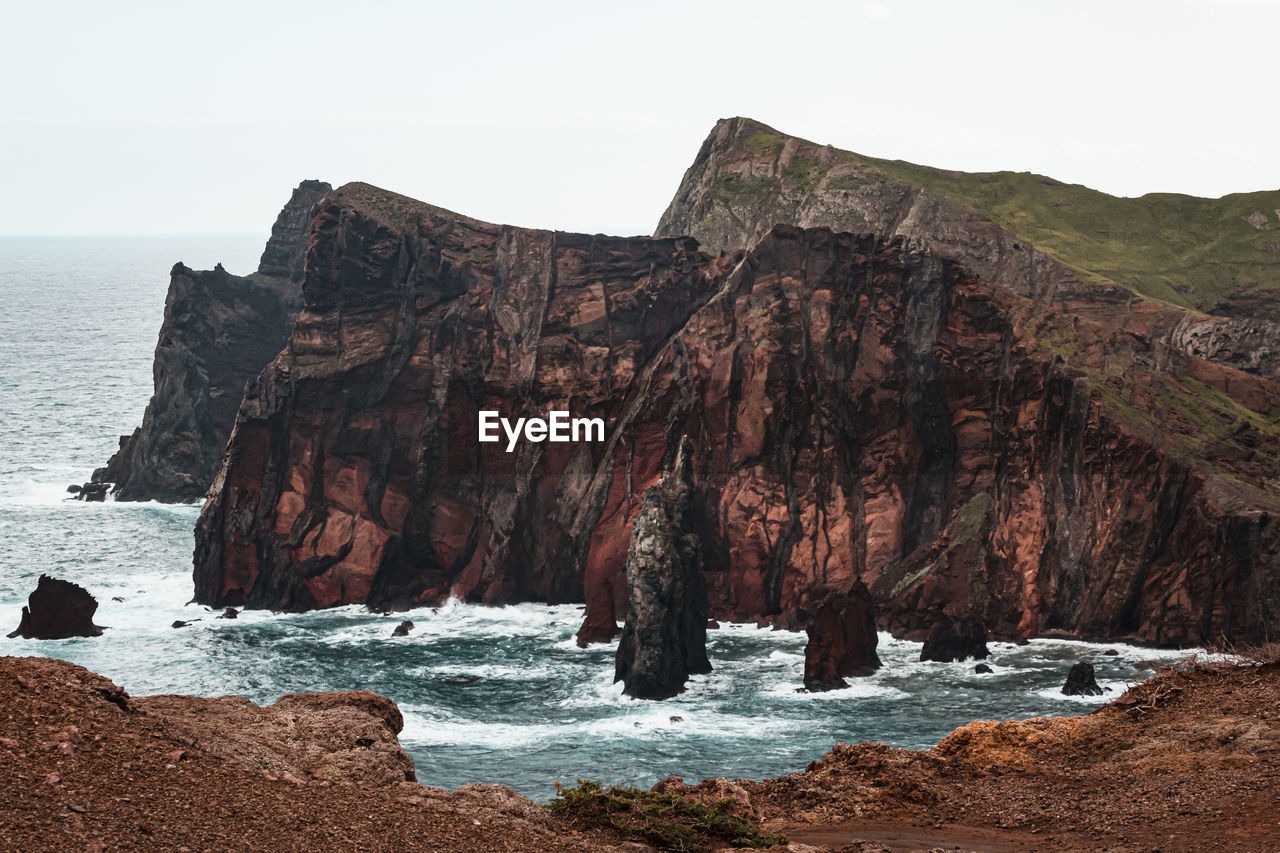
(183, 117)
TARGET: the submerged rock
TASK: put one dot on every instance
(92, 492)
(56, 610)
(955, 639)
(230, 613)
(982, 669)
(403, 629)
(665, 638)
(842, 641)
(1080, 681)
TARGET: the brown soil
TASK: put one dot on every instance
(83, 767)
(1187, 761)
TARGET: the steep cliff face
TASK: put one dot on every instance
(219, 331)
(859, 409)
(1029, 233)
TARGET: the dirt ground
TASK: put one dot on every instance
(1189, 760)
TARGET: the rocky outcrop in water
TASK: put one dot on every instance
(956, 638)
(56, 610)
(219, 331)
(842, 641)
(90, 492)
(1036, 236)
(859, 409)
(664, 640)
(1081, 682)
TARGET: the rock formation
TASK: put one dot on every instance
(286, 250)
(600, 625)
(1032, 234)
(219, 331)
(58, 609)
(346, 738)
(956, 638)
(1080, 681)
(860, 408)
(842, 641)
(89, 492)
(664, 640)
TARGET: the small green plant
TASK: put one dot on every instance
(667, 821)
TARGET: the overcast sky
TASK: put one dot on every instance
(183, 117)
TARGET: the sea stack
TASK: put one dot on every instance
(664, 640)
(57, 610)
(1081, 681)
(842, 641)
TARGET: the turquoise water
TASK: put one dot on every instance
(77, 330)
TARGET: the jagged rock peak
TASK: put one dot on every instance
(286, 251)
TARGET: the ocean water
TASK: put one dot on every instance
(78, 323)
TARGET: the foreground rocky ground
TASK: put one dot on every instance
(1187, 761)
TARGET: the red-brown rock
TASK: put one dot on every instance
(858, 410)
(842, 641)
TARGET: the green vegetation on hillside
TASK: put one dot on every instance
(1196, 252)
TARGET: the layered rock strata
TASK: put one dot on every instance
(219, 331)
(665, 638)
(858, 409)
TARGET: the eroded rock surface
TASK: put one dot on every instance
(747, 177)
(346, 738)
(664, 640)
(858, 408)
(312, 771)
